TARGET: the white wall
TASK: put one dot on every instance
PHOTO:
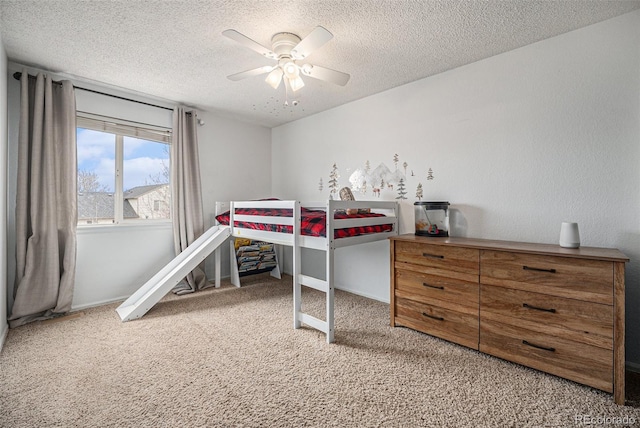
(518, 143)
(113, 261)
(3, 194)
(234, 165)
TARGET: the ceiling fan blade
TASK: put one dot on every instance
(249, 43)
(317, 38)
(326, 74)
(250, 73)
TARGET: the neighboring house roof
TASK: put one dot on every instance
(136, 192)
(101, 205)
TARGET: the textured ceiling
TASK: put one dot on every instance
(174, 49)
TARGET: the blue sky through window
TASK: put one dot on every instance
(145, 162)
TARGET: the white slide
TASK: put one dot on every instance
(169, 276)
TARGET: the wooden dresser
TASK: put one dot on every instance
(554, 309)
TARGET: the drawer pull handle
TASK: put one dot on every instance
(544, 348)
(439, 287)
(538, 269)
(433, 316)
(433, 256)
(528, 306)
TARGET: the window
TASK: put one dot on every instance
(123, 172)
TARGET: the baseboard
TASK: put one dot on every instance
(99, 303)
(211, 281)
(360, 293)
(109, 301)
(348, 290)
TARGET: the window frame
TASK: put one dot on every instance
(121, 128)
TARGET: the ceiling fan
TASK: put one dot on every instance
(289, 51)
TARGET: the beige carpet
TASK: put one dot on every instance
(230, 357)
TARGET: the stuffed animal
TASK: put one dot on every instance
(347, 195)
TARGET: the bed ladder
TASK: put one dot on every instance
(326, 285)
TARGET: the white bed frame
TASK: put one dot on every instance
(298, 241)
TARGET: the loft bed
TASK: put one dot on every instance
(307, 225)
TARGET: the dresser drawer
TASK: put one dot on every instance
(455, 326)
(573, 278)
(436, 289)
(438, 259)
(585, 322)
(586, 364)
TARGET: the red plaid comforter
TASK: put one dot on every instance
(313, 222)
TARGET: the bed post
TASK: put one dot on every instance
(234, 275)
(297, 287)
(216, 258)
(219, 208)
(330, 271)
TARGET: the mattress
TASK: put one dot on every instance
(313, 222)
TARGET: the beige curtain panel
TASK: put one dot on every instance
(186, 200)
(46, 198)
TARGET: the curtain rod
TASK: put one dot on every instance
(17, 75)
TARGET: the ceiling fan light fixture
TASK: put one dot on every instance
(291, 70)
(296, 83)
(274, 78)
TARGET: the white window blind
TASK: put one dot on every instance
(123, 127)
